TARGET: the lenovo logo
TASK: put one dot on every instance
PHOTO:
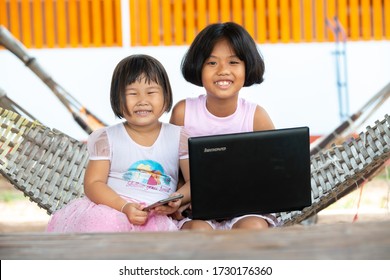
(212, 150)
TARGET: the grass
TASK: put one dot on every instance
(8, 193)
(11, 195)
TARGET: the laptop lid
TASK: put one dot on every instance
(254, 172)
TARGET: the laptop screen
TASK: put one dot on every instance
(250, 173)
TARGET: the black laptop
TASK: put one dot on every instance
(250, 173)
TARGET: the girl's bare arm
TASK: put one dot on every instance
(95, 185)
(262, 120)
(97, 190)
(177, 116)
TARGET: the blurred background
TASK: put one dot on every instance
(324, 59)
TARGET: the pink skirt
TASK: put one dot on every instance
(83, 215)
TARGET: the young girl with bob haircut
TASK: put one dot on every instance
(133, 163)
(223, 59)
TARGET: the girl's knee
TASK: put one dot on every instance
(251, 223)
(196, 225)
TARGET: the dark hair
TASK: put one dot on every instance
(241, 42)
(131, 69)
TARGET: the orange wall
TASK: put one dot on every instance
(98, 23)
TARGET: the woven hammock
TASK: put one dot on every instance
(48, 166)
(337, 171)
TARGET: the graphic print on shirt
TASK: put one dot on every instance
(147, 174)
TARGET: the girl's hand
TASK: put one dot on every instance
(178, 215)
(134, 213)
(169, 208)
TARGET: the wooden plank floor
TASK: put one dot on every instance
(367, 240)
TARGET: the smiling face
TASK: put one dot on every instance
(144, 103)
(223, 73)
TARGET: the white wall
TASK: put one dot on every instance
(299, 87)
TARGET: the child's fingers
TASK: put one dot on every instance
(175, 203)
(177, 215)
(139, 220)
(139, 217)
(139, 206)
(161, 209)
(170, 208)
(135, 214)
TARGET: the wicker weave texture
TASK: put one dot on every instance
(46, 165)
(341, 169)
